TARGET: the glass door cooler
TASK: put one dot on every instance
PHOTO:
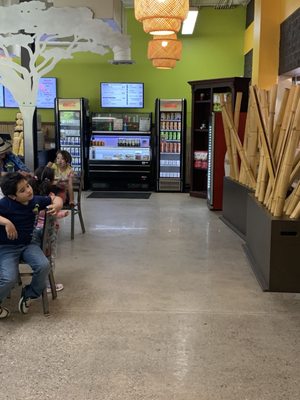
(72, 131)
(120, 154)
(170, 123)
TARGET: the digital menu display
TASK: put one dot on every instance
(45, 98)
(122, 95)
(1, 96)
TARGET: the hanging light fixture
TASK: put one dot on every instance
(164, 51)
(161, 17)
(164, 63)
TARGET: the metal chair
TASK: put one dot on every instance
(76, 209)
(47, 251)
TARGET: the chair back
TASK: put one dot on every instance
(77, 187)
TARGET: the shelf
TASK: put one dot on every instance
(121, 132)
(170, 140)
(201, 130)
(170, 130)
(202, 101)
(120, 148)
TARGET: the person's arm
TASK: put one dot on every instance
(49, 164)
(19, 165)
(56, 205)
(9, 228)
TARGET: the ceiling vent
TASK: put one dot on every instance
(121, 56)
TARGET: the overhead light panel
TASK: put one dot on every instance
(190, 22)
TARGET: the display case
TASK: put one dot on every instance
(72, 131)
(207, 136)
(120, 152)
(171, 131)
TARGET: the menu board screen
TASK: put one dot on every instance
(45, 98)
(122, 94)
(1, 96)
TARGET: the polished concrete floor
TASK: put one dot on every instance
(159, 304)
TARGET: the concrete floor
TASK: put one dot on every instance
(159, 303)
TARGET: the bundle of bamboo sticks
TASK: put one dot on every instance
(268, 161)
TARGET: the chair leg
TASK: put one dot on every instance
(52, 284)
(72, 223)
(45, 302)
(81, 220)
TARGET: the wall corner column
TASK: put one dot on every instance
(266, 43)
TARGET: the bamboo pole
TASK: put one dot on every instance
(292, 201)
(265, 183)
(281, 145)
(288, 158)
(238, 145)
(271, 119)
(263, 135)
(285, 125)
(263, 166)
(287, 129)
(260, 173)
(296, 213)
(236, 120)
(252, 148)
(296, 169)
(235, 167)
(279, 119)
(227, 141)
(242, 175)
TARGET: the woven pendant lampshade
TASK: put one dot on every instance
(161, 17)
(164, 51)
(163, 63)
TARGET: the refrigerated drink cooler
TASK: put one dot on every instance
(216, 158)
(120, 155)
(171, 131)
(72, 131)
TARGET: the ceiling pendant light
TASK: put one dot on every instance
(164, 51)
(164, 63)
(161, 17)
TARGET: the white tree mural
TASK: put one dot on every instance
(38, 29)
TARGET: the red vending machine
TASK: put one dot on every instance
(216, 158)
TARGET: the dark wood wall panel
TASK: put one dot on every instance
(250, 13)
(248, 59)
(289, 50)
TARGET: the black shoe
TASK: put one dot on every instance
(4, 312)
(24, 303)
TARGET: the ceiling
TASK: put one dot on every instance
(204, 3)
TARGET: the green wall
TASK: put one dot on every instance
(215, 50)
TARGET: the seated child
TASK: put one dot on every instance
(64, 174)
(43, 184)
(18, 211)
